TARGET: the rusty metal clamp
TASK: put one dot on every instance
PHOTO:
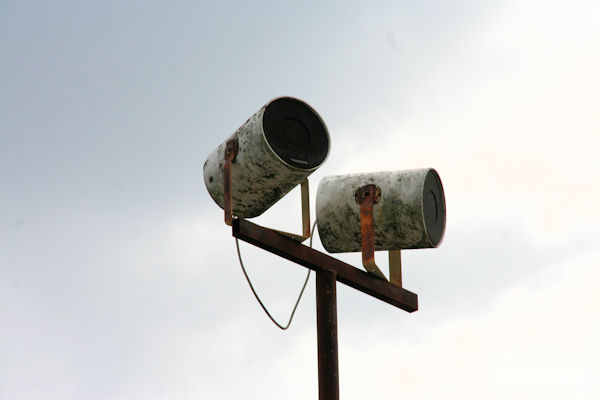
(367, 196)
(231, 149)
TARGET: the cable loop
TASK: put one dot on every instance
(283, 327)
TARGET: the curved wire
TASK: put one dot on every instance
(283, 327)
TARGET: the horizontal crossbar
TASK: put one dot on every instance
(268, 239)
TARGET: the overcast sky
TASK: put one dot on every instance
(118, 279)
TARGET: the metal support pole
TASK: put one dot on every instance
(327, 341)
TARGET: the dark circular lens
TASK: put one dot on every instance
(434, 207)
(295, 133)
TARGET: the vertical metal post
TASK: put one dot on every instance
(327, 341)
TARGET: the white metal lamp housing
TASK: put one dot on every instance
(278, 147)
(410, 213)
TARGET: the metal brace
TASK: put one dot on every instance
(305, 215)
(367, 196)
(395, 267)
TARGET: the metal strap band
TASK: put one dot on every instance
(231, 149)
(367, 196)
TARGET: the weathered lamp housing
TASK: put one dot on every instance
(410, 213)
(275, 150)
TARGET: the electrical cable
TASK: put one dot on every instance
(237, 245)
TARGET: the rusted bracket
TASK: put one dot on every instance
(395, 267)
(231, 149)
(305, 215)
(367, 196)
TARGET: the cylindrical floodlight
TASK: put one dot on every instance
(278, 147)
(410, 214)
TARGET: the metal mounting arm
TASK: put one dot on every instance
(367, 196)
(305, 215)
(231, 149)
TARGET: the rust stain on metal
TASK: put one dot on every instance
(367, 193)
(366, 196)
(231, 149)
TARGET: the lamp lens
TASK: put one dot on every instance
(296, 133)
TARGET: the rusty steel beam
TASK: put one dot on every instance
(290, 249)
